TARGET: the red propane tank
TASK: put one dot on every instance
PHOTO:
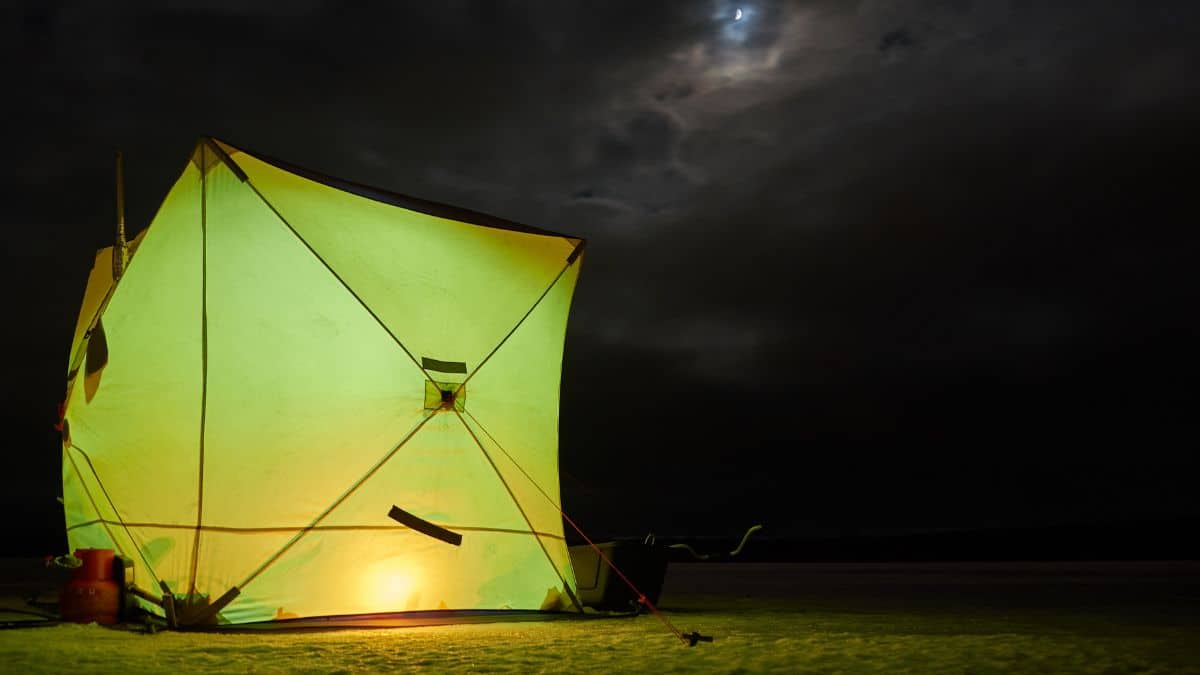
(91, 594)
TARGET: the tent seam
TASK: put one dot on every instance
(319, 528)
(520, 509)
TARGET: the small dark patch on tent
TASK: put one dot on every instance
(423, 526)
(94, 361)
(443, 366)
(157, 549)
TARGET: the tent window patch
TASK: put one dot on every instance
(443, 366)
(445, 396)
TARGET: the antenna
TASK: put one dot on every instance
(121, 249)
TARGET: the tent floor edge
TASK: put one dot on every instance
(410, 619)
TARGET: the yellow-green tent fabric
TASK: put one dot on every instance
(286, 358)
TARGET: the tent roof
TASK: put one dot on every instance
(385, 196)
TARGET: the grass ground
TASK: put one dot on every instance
(989, 618)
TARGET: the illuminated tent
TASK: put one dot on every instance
(305, 397)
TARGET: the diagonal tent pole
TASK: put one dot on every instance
(88, 492)
(241, 175)
(570, 261)
(532, 482)
(571, 258)
(233, 592)
(338, 502)
(95, 507)
(686, 639)
(521, 509)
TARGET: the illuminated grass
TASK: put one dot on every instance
(896, 624)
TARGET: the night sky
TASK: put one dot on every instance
(853, 266)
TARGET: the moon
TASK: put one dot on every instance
(737, 16)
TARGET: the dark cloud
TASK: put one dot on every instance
(829, 229)
(896, 39)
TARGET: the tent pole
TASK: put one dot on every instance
(121, 249)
